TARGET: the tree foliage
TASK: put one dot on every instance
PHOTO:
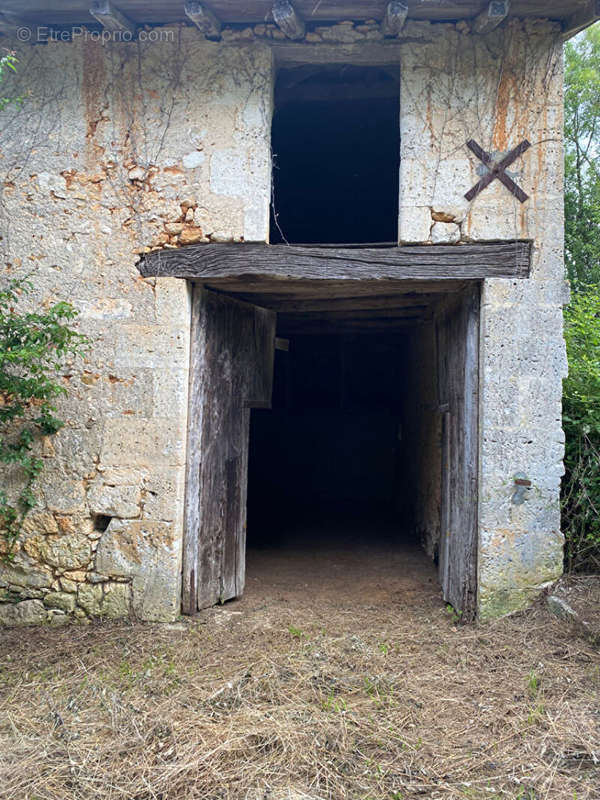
(581, 399)
(8, 63)
(581, 421)
(582, 158)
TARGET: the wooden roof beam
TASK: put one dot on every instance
(111, 18)
(491, 17)
(203, 18)
(583, 18)
(394, 19)
(288, 20)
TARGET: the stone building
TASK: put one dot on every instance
(410, 297)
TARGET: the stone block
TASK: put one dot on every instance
(68, 586)
(61, 600)
(62, 495)
(164, 494)
(445, 233)
(89, 597)
(116, 603)
(172, 302)
(136, 442)
(228, 172)
(72, 551)
(150, 346)
(28, 612)
(25, 575)
(114, 501)
(415, 224)
(148, 552)
(39, 522)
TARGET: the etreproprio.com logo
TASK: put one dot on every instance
(41, 34)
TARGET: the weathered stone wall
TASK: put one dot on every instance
(117, 149)
(499, 89)
(121, 148)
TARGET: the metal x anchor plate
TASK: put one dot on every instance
(497, 170)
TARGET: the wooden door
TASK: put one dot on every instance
(457, 333)
(232, 352)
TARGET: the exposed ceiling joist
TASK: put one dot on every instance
(203, 18)
(318, 327)
(111, 18)
(275, 294)
(491, 17)
(583, 18)
(288, 20)
(294, 304)
(394, 19)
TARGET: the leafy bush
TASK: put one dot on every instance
(33, 346)
(581, 420)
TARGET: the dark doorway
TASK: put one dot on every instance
(336, 151)
(330, 451)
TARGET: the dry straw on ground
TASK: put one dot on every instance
(266, 699)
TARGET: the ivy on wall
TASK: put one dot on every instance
(33, 347)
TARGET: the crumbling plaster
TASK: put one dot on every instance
(121, 148)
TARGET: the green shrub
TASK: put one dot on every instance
(33, 346)
(581, 420)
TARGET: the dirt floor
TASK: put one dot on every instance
(339, 675)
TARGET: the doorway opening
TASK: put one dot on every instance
(369, 437)
(336, 151)
(348, 470)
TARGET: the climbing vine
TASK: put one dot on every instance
(33, 347)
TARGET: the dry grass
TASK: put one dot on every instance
(290, 701)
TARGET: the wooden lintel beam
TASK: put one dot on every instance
(288, 263)
(583, 18)
(111, 18)
(394, 19)
(288, 20)
(203, 18)
(495, 13)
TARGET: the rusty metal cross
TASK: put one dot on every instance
(497, 170)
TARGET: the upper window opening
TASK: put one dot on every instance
(336, 153)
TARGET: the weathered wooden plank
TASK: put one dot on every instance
(275, 293)
(192, 478)
(203, 18)
(232, 364)
(495, 13)
(110, 17)
(394, 18)
(457, 335)
(288, 20)
(291, 305)
(289, 263)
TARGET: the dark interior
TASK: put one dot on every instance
(336, 151)
(331, 449)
